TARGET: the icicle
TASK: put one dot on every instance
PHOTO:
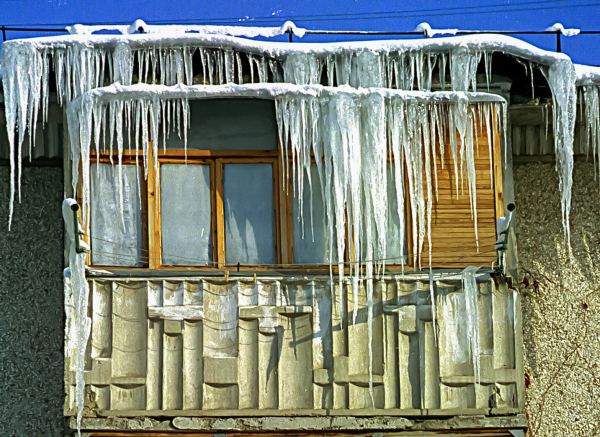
(76, 285)
(531, 73)
(452, 114)
(489, 119)
(487, 63)
(442, 71)
(591, 101)
(428, 151)
(262, 70)
(302, 69)
(432, 298)
(117, 109)
(251, 62)
(238, 62)
(123, 59)
(368, 70)
(472, 174)
(471, 298)
(369, 272)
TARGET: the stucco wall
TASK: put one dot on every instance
(31, 305)
(561, 301)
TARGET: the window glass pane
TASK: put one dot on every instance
(248, 208)
(185, 215)
(116, 238)
(311, 239)
(229, 124)
(394, 254)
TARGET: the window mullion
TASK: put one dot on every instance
(154, 232)
(280, 233)
(287, 210)
(219, 219)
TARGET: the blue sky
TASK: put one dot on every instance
(330, 15)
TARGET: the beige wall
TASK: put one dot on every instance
(561, 315)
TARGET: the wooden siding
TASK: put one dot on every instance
(452, 225)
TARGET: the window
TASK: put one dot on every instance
(227, 205)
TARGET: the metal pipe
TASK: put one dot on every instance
(75, 208)
(4, 33)
(558, 46)
(33, 29)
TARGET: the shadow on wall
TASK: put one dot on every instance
(561, 300)
(31, 299)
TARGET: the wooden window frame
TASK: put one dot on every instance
(282, 202)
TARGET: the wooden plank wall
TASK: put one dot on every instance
(453, 232)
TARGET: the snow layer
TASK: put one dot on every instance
(587, 75)
(557, 27)
(243, 31)
(426, 28)
(82, 63)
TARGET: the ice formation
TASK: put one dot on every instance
(84, 62)
(470, 295)
(426, 28)
(78, 322)
(349, 129)
(557, 27)
(591, 108)
(142, 27)
(368, 111)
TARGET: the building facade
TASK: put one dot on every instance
(223, 294)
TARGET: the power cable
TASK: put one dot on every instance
(336, 17)
(446, 14)
(386, 14)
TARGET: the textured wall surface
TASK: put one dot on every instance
(561, 301)
(31, 301)
(279, 347)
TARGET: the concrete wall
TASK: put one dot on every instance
(278, 347)
(561, 301)
(31, 305)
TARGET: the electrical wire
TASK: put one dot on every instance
(446, 14)
(123, 256)
(480, 9)
(383, 14)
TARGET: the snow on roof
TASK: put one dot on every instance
(166, 39)
(243, 31)
(220, 37)
(587, 75)
(270, 90)
(362, 64)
